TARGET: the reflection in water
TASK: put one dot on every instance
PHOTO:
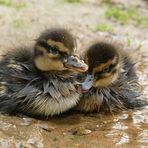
(140, 116)
(143, 137)
(123, 139)
(119, 137)
(119, 126)
(123, 116)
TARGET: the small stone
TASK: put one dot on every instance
(97, 126)
(87, 131)
(64, 133)
(46, 127)
(26, 121)
(80, 131)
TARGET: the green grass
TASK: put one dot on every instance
(145, 22)
(128, 41)
(20, 6)
(107, 1)
(126, 16)
(73, 1)
(120, 15)
(105, 28)
(18, 23)
(6, 2)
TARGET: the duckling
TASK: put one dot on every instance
(111, 81)
(41, 81)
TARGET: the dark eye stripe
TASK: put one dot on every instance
(111, 69)
(112, 66)
(51, 49)
(44, 45)
(108, 69)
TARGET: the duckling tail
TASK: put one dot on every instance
(136, 103)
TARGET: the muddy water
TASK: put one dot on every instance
(128, 129)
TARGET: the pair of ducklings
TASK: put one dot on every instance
(44, 81)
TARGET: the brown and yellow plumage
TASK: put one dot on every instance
(41, 81)
(111, 82)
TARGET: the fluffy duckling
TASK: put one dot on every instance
(111, 81)
(41, 81)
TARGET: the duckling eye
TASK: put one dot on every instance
(106, 70)
(53, 50)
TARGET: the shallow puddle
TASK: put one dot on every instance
(127, 129)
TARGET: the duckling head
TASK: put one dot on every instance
(54, 51)
(104, 63)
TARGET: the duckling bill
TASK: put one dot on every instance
(111, 82)
(41, 81)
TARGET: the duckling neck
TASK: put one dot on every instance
(65, 74)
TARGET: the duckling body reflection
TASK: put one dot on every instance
(41, 81)
(111, 81)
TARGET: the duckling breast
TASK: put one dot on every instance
(53, 98)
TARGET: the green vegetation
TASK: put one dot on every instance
(105, 28)
(122, 16)
(125, 16)
(20, 6)
(145, 22)
(128, 41)
(18, 23)
(6, 2)
(107, 1)
(73, 1)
